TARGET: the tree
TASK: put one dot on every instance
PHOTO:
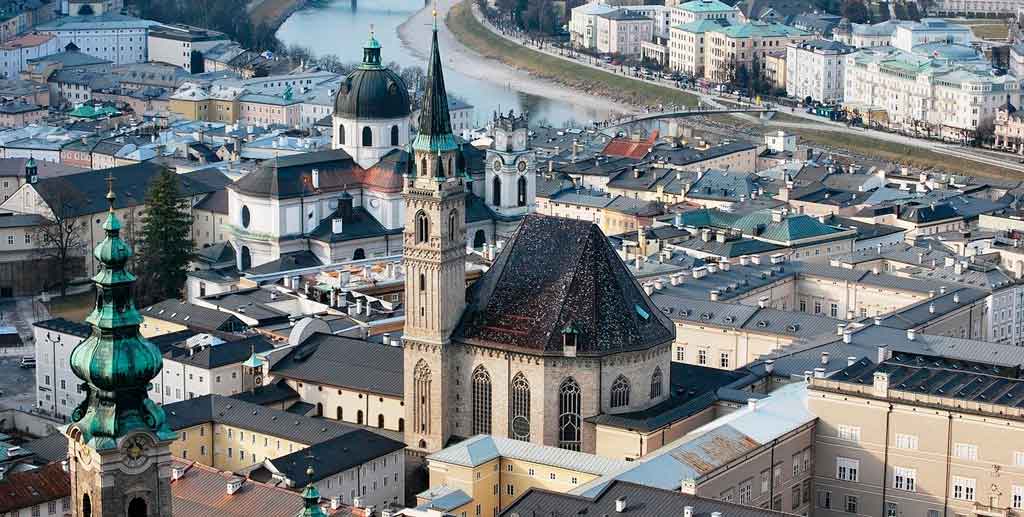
(59, 238)
(855, 11)
(166, 243)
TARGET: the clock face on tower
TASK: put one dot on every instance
(135, 451)
(521, 165)
(496, 164)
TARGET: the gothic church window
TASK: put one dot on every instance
(656, 383)
(620, 392)
(519, 426)
(481, 401)
(422, 227)
(453, 224)
(421, 397)
(569, 395)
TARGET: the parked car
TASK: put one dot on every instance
(27, 362)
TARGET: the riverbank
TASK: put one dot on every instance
(565, 73)
(274, 12)
(415, 35)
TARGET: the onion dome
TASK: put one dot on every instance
(116, 362)
(372, 91)
(311, 499)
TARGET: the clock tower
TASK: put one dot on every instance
(118, 439)
(510, 181)
(434, 250)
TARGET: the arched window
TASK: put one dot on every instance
(453, 224)
(367, 136)
(359, 417)
(319, 409)
(86, 506)
(245, 261)
(620, 392)
(401, 425)
(422, 227)
(423, 282)
(656, 383)
(394, 135)
(421, 397)
(359, 254)
(496, 191)
(521, 194)
(341, 134)
(137, 508)
(340, 413)
(569, 415)
(519, 424)
(423, 166)
(481, 401)
(479, 239)
(380, 421)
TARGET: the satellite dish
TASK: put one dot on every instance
(307, 327)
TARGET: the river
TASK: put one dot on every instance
(341, 28)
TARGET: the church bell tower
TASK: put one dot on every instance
(435, 264)
(118, 439)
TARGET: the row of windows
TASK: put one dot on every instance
(961, 450)
(367, 135)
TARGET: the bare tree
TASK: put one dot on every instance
(59, 238)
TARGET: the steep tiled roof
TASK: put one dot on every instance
(200, 492)
(346, 363)
(556, 273)
(25, 489)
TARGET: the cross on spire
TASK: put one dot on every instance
(110, 190)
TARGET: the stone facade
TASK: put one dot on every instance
(113, 483)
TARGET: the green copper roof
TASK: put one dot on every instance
(435, 131)
(371, 54)
(706, 6)
(116, 362)
(311, 499)
(90, 112)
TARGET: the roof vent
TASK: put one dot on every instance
(620, 504)
(234, 485)
(177, 472)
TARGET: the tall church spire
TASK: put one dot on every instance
(118, 438)
(435, 131)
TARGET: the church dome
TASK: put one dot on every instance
(372, 91)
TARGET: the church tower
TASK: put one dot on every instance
(118, 439)
(511, 180)
(435, 264)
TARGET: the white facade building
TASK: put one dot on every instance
(174, 44)
(118, 38)
(939, 89)
(910, 34)
(815, 69)
(14, 54)
(699, 10)
(622, 32)
(582, 24)
(974, 8)
(57, 387)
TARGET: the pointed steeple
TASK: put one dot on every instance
(435, 131)
(311, 498)
(116, 362)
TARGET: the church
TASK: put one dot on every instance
(555, 332)
(343, 204)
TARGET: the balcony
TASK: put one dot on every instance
(993, 511)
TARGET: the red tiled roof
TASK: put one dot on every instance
(32, 487)
(629, 148)
(202, 491)
(28, 40)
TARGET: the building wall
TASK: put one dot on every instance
(376, 482)
(618, 443)
(352, 405)
(814, 73)
(231, 448)
(119, 45)
(14, 56)
(57, 387)
(902, 434)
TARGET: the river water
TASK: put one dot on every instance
(341, 28)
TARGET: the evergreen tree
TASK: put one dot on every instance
(166, 244)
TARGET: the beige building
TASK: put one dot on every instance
(717, 49)
(622, 31)
(908, 434)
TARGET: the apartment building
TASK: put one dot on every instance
(814, 69)
(937, 89)
(698, 10)
(583, 23)
(15, 53)
(912, 434)
(178, 45)
(620, 32)
(116, 37)
(717, 49)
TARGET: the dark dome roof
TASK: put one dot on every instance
(371, 90)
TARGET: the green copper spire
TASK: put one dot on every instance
(371, 54)
(116, 362)
(311, 499)
(435, 131)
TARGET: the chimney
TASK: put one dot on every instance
(958, 268)
(639, 263)
(840, 327)
(752, 404)
(234, 485)
(335, 502)
(687, 511)
(850, 360)
(883, 354)
(769, 366)
(942, 290)
(649, 288)
(177, 473)
(878, 320)
(386, 339)
(716, 514)
(715, 294)
(337, 225)
(911, 334)
(824, 358)
(64, 466)
(620, 504)
(688, 486)
(819, 373)
(762, 302)
(359, 306)
(316, 178)
(881, 384)
(931, 308)
(847, 336)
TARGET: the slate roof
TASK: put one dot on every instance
(223, 354)
(291, 176)
(241, 414)
(216, 202)
(191, 315)
(555, 273)
(75, 328)
(267, 394)
(218, 253)
(334, 456)
(346, 363)
(723, 185)
(360, 224)
(25, 489)
(52, 447)
(11, 220)
(85, 193)
(287, 262)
